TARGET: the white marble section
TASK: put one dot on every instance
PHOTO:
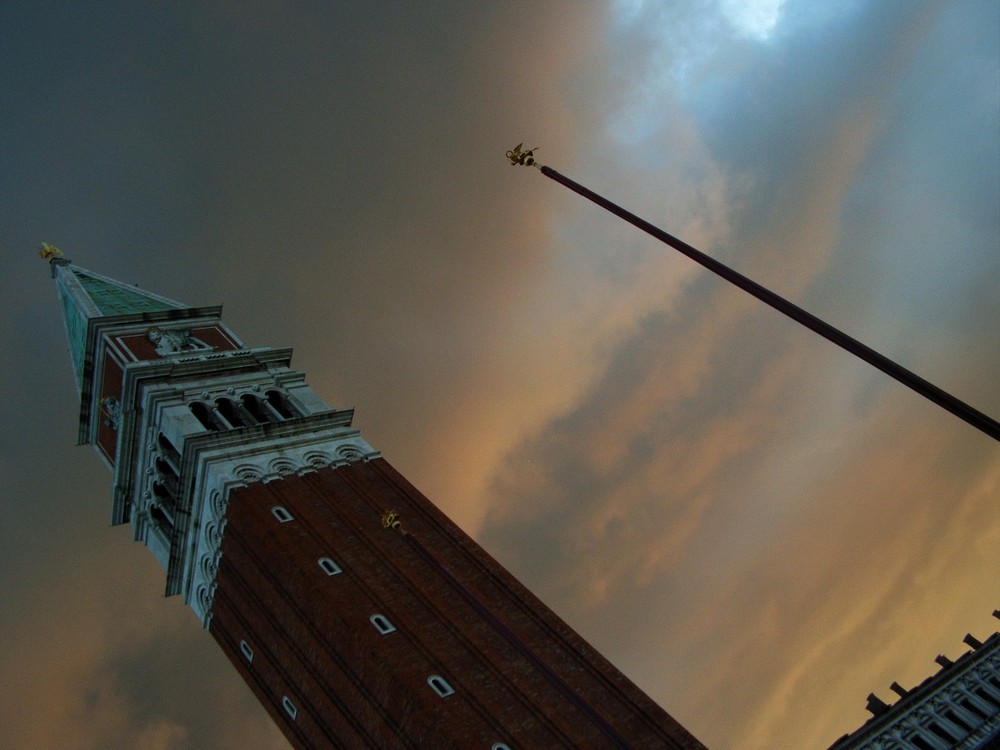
(177, 468)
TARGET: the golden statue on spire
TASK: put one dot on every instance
(524, 158)
(49, 252)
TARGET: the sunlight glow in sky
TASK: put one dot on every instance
(755, 19)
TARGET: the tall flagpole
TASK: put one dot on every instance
(928, 390)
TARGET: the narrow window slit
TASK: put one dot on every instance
(382, 624)
(329, 566)
(440, 685)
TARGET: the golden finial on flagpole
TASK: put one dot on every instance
(524, 158)
(50, 252)
(942, 398)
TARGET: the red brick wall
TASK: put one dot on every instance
(521, 675)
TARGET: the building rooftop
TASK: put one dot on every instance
(958, 707)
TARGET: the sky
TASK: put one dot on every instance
(756, 527)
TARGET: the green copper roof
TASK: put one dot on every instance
(113, 298)
(84, 295)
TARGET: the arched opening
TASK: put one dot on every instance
(281, 513)
(382, 624)
(253, 406)
(232, 413)
(164, 498)
(167, 476)
(203, 413)
(280, 403)
(329, 566)
(161, 521)
(169, 452)
(440, 685)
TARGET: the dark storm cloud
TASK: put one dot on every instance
(330, 174)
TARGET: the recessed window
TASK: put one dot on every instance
(290, 708)
(281, 404)
(973, 709)
(957, 720)
(382, 624)
(329, 566)
(229, 411)
(440, 685)
(252, 404)
(281, 514)
(204, 414)
(159, 518)
(987, 697)
(500, 746)
(246, 651)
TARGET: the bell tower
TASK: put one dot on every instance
(356, 611)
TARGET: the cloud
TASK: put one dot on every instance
(113, 668)
(729, 479)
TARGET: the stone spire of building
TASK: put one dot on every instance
(86, 296)
(355, 610)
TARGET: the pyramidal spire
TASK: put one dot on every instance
(85, 295)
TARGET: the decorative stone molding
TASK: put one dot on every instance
(281, 466)
(317, 459)
(349, 453)
(174, 341)
(113, 409)
(248, 473)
